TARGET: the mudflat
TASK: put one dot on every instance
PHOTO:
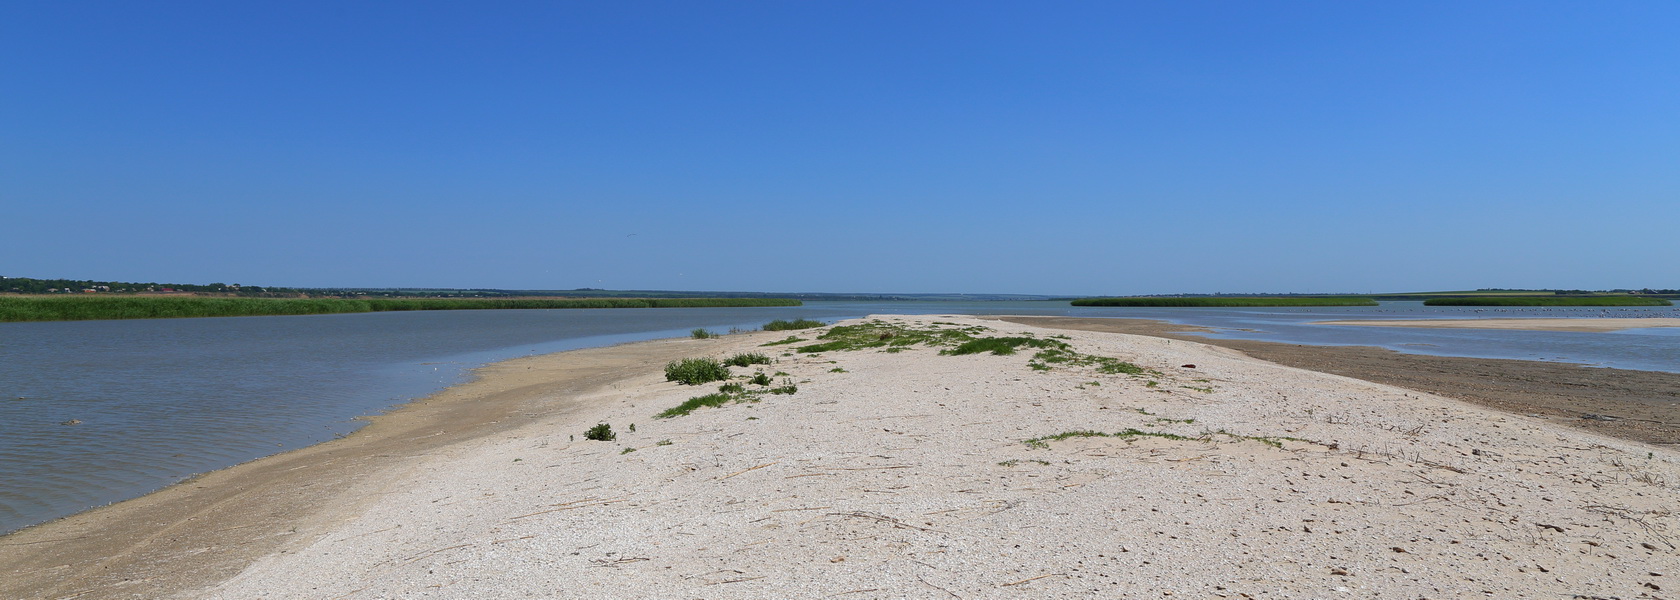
(1584, 324)
(1643, 406)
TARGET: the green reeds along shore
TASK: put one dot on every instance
(1218, 301)
(82, 308)
(1549, 301)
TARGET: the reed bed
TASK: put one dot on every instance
(1219, 301)
(82, 308)
(1549, 301)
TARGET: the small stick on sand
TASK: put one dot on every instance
(746, 469)
(543, 512)
(1029, 579)
(737, 580)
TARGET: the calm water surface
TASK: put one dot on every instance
(158, 400)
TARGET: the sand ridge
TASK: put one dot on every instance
(905, 475)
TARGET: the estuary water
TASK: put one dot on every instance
(92, 412)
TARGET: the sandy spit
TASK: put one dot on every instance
(905, 475)
(1538, 324)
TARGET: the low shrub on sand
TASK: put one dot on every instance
(695, 371)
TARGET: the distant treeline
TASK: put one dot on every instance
(1218, 301)
(81, 308)
(25, 285)
(1549, 301)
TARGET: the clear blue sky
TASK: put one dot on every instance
(1063, 147)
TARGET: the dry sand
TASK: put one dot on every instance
(1585, 324)
(893, 475)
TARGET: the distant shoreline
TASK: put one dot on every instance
(87, 308)
(1593, 325)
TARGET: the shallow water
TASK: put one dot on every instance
(155, 401)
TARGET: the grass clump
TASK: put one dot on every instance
(759, 378)
(1210, 301)
(1128, 434)
(1044, 441)
(732, 388)
(601, 432)
(697, 402)
(1060, 353)
(747, 359)
(1001, 346)
(695, 371)
(790, 340)
(701, 334)
(880, 334)
(1549, 301)
(787, 388)
(784, 325)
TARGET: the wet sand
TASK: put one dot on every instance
(1642, 406)
(1583, 325)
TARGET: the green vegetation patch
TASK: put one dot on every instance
(784, 325)
(880, 334)
(697, 402)
(747, 359)
(695, 371)
(1549, 301)
(1001, 346)
(1217, 301)
(1063, 354)
(790, 340)
(81, 308)
(964, 340)
(601, 432)
(1130, 434)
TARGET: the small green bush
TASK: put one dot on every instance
(695, 371)
(747, 359)
(701, 334)
(759, 379)
(601, 432)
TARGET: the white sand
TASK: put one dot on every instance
(906, 477)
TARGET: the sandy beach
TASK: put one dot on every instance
(908, 474)
(1597, 325)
